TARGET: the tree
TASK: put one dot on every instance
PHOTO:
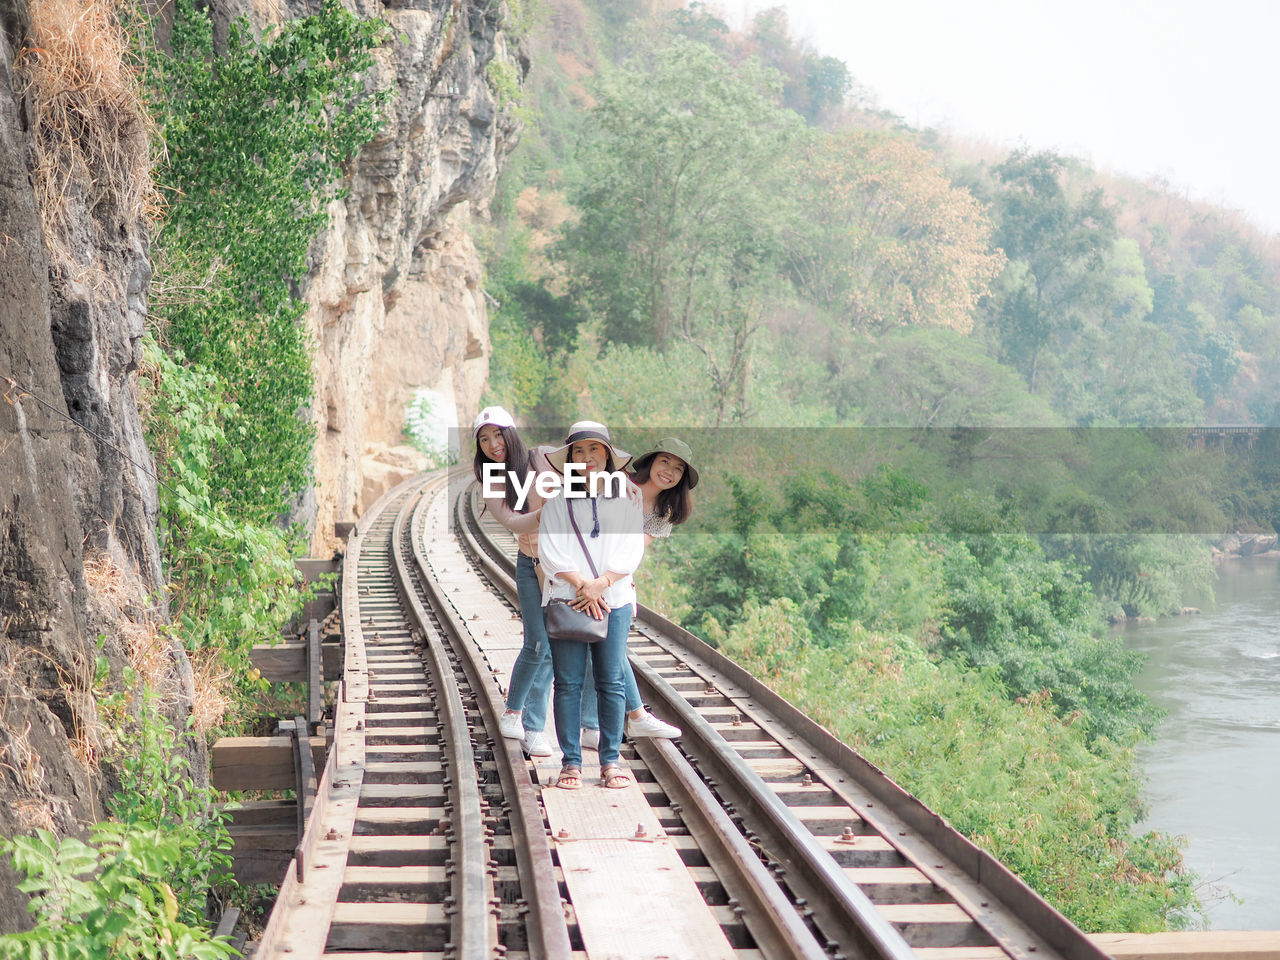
(682, 206)
(812, 83)
(1058, 247)
(935, 378)
(883, 238)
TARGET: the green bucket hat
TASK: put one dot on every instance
(675, 447)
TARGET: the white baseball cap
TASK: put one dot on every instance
(495, 416)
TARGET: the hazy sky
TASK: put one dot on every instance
(1188, 91)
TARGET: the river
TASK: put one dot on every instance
(1214, 770)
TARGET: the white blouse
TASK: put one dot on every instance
(619, 548)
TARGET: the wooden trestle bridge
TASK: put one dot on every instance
(420, 833)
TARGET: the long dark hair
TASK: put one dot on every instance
(674, 505)
(519, 462)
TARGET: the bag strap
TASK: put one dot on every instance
(590, 562)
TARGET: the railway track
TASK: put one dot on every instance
(434, 837)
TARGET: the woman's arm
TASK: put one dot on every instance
(517, 523)
(558, 549)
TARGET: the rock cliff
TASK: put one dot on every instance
(395, 295)
(79, 565)
(396, 305)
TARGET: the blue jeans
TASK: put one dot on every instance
(590, 711)
(530, 687)
(609, 656)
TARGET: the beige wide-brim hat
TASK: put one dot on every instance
(588, 430)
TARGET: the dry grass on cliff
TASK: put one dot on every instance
(140, 636)
(150, 651)
(91, 132)
(18, 756)
(212, 697)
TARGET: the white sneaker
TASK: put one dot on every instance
(509, 726)
(535, 744)
(591, 738)
(651, 726)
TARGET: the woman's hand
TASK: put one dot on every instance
(597, 608)
(593, 589)
(591, 597)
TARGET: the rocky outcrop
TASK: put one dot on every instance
(396, 305)
(395, 295)
(1247, 545)
(75, 475)
(395, 287)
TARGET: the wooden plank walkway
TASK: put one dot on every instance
(595, 831)
(644, 877)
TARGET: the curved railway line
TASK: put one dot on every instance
(757, 834)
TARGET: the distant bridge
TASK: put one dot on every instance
(1206, 438)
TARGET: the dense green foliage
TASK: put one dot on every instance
(207, 548)
(255, 135)
(1011, 776)
(255, 139)
(703, 227)
(137, 889)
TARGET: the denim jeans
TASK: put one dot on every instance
(590, 711)
(569, 659)
(530, 687)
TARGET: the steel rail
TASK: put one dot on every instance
(769, 914)
(472, 936)
(812, 873)
(849, 912)
(997, 882)
(546, 925)
(299, 922)
(1014, 916)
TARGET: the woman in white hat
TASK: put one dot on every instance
(498, 442)
(589, 545)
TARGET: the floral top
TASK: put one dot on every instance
(656, 526)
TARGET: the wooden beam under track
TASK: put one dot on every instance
(287, 662)
(1191, 945)
(259, 763)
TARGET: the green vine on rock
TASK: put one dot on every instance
(256, 139)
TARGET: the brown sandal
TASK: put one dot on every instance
(613, 777)
(570, 778)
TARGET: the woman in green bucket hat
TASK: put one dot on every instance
(665, 475)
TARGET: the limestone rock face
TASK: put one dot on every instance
(395, 293)
(76, 480)
(394, 289)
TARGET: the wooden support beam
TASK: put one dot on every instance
(313, 568)
(257, 813)
(1191, 945)
(319, 606)
(305, 771)
(287, 662)
(315, 683)
(228, 927)
(259, 763)
(261, 853)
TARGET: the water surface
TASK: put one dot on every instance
(1214, 771)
